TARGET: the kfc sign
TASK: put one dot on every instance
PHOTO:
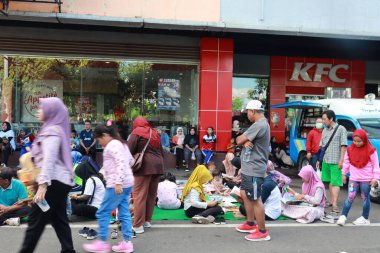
(301, 70)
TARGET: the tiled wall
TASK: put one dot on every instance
(215, 89)
(280, 84)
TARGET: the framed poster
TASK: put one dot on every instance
(33, 91)
(168, 94)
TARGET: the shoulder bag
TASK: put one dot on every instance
(322, 150)
(139, 156)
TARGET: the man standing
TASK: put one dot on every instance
(254, 160)
(87, 141)
(312, 142)
(11, 192)
(334, 155)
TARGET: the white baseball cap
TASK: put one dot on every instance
(254, 105)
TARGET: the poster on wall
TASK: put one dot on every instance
(85, 108)
(168, 94)
(34, 90)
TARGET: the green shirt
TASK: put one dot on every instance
(15, 192)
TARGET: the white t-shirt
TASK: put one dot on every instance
(167, 195)
(99, 191)
(272, 204)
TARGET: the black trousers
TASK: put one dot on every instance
(84, 210)
(6, 151)
(22, 212)
(179, 156)
(91, 152)
(56, 196)
(213, 211)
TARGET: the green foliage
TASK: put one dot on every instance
(237, 104)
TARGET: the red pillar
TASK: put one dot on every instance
(215, 89)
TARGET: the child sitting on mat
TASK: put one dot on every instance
(167, 192)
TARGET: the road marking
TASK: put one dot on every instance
(271, 225)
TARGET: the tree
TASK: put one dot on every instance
(237, 104)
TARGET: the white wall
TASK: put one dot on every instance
(331, 18)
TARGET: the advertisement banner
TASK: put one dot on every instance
(34, 90)
(168, 94)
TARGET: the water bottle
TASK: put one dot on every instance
(351, 187)
(247, 154)
(43, 205)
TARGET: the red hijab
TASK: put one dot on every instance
(142, 128)
(359, 157)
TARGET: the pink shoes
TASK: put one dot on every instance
(99, 246)
(123, 246)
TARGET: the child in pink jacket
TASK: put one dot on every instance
(362, 162)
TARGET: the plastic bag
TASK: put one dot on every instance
(193, 156)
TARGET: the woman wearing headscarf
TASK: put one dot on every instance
(194, 198)
(313, 195)
(51, 153)
(7, 139)
(178, 141)
(148, 176)
(24, 141)
(362, 162)
(88, 202)
(191, 147)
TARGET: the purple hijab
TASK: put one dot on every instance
(311, 182)
(55, 114)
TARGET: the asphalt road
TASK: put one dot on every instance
(184, 237)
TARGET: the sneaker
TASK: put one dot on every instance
(245, 228)
(222, 221)
(203, 220)
(139, 230)
(114, 234)
(147, 224)
(92, 234)
(97, 246)
(123, 246)
(361, 221)
(342, 220)
(83, 232)
(187, 169)
(13, 222)
(134, 234)
(217, 221)
(258, 236)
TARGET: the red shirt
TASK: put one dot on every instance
(313, 140)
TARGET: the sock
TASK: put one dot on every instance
(263, 231)
(251, 223)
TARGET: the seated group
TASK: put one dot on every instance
(198, 203)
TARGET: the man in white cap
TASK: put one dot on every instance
(254, 160)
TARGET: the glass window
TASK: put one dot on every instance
(165, 93)
(245, 89)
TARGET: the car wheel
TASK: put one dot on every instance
(375, 195)
(302, 161)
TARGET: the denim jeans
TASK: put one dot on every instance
(353, 189)
(313, 161)
(111, 201)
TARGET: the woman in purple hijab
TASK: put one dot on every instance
(51, 152)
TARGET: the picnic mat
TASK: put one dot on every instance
(179, 214)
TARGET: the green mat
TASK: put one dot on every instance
(179, 214)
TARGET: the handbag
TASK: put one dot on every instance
(140, 155)
(29, 172)
(322, 150)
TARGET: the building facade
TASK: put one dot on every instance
(182, 63)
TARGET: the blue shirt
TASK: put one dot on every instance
(87, 137)
(165, 141)
(15, 192)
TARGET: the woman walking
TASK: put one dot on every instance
(148, 176)
(51, 152)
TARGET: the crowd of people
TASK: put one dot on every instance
(68, 181)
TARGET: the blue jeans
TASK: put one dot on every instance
(110, 202)
(353, 189)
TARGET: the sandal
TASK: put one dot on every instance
(335, 209)
(328, 204)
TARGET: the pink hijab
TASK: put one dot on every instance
(311, 182)
(57, 115)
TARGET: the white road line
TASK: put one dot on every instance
(298, 225)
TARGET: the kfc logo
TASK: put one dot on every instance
(301, 70)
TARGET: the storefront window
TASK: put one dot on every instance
(245, 89)
(165, 93)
